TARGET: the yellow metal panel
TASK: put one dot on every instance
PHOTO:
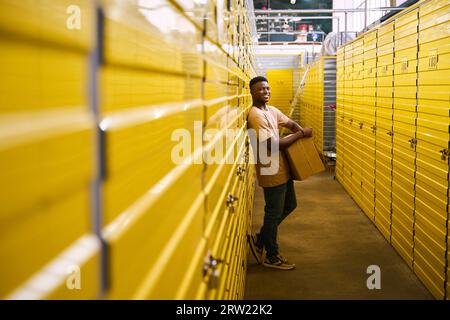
(216, 71)
(133, 275)
(432, 131)
(432, 191)
(403, 222)
(133, 167)
(385, 71)
(436, 107)
(403, 172)
(281, 88)
(57, 78)
(403, 213)
(433, 44)
(426, 274)
(403, 102)
(429, 246)
(382, 225)
(73, 274)
(402, 246)
(406, 46)
(406, 61)
(125, 88)
(431, 17)
(429, 77)
(434, 7)
(385, 29)
(39, 235)
(66, 22)
(43, 156)
(406, 24)
(132, 38)
(434, 227)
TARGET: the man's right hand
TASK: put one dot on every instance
(307, 132)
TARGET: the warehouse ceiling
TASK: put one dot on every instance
(282, 30)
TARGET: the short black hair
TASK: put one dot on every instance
(256, 80)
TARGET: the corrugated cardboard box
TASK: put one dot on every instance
(304, 160)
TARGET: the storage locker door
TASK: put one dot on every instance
(431, 249)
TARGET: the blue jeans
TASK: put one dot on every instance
(280, 202)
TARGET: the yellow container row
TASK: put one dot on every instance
(392, 134)
(316, 103)
(93, 201)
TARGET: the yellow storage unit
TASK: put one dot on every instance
(281, 89)
(317, 102)
(146, 96)
(355, 123)
(197, 87)
(405, 123)
(348, 116)
(46, 152)
(106, 190)
(432, 145)
(367, 124)
(384, 114)
(404, 133)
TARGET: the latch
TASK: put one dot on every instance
(350, 120)
(413, 142)
(210, 265)
(445, 153)
(374, 128)
(230, 202)
(246, 157)
(240, 173)
(361, 125)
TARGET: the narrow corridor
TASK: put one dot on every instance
(332, 243)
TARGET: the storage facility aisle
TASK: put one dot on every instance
(126, 163)
(332, 243)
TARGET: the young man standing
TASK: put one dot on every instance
(279, 193)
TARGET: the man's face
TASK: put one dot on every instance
(261, 92)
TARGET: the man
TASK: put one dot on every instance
(279, 193)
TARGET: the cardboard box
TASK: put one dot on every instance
(304, 160)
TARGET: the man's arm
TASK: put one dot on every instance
(295, 127)
(298, 133)
(285, 142)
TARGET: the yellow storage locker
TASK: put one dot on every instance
(430, 253)
(46, 151)
(368, 123)
(348, 115)
(404, 133)
(357, 123)
(281, 89)
(145, 96)
(384, 114)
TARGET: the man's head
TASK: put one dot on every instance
(260, 90)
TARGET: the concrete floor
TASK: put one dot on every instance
(332, 243)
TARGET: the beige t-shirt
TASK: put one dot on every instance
(266, 124)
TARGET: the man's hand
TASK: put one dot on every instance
(307, 132)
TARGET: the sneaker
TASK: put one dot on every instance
(283, 259)
(256, 251)
(277, 263)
